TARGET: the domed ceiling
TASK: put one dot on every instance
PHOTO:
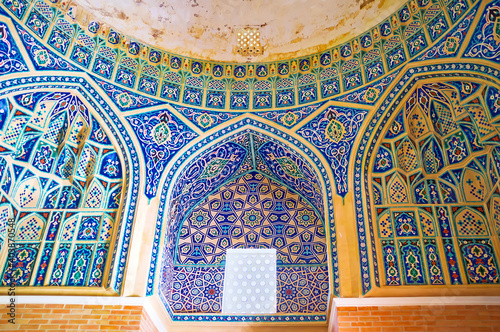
(372, 167)
(207, 29)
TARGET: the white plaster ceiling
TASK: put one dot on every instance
(206, 29)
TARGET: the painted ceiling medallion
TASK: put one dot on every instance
(288, 166)
(215, 166)
(334, 130)
(161, 133)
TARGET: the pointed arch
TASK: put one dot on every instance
(397, 190)
(452, 190)
(95, 195)
(27, 194)
(49, 181)
(193, 169)
(254, 203)
(30, 228)
(407, 155)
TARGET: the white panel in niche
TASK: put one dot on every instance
(250, 282)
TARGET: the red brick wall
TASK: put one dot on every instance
(435, 318)
(69, 317)
(72, 317)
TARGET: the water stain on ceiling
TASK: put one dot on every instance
(206, 29)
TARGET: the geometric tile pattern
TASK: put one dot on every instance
(302, 289)
(230, 198)
(298, 289)
(233, 157)
(252, 212)
(197, 289)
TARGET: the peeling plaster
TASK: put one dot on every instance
(205, 28)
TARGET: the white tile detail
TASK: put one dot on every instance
(250, 282)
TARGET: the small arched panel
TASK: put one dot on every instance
(248, 192)
(61, 164)
(437, 220)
